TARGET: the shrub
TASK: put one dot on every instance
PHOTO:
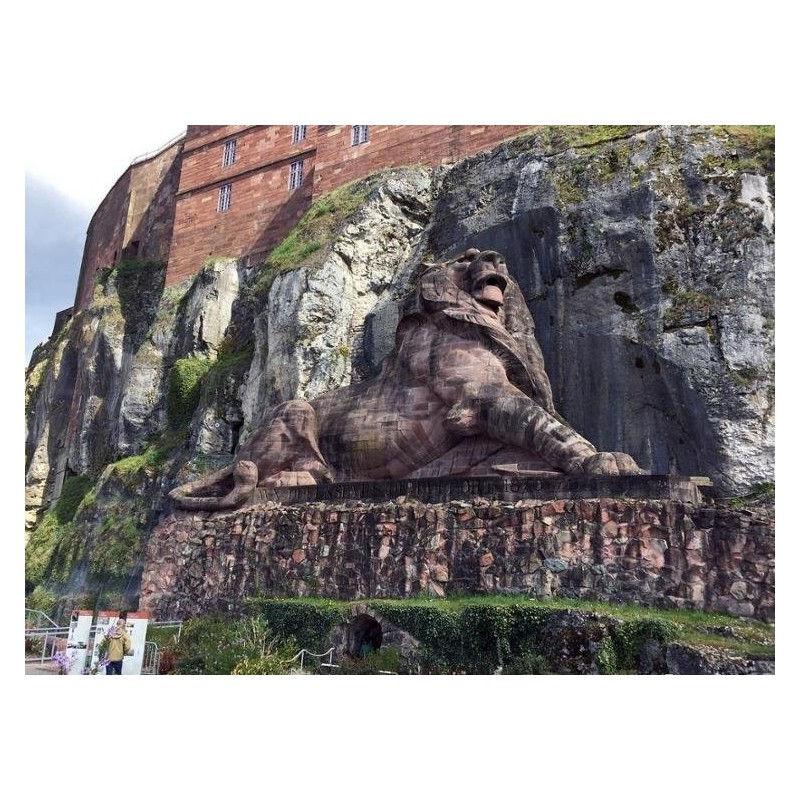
(308, 620)
(220, 645)
(183, 392)
(630, 639)
(527, 663)
(74, 490)
(384, 659)
(41, 599)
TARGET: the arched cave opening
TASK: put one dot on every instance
(364, 636)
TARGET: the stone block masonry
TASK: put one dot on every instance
(657, 553)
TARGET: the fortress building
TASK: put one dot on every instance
(237, 190)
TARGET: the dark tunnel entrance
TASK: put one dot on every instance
(364, 636)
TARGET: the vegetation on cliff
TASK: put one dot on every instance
(309, 241)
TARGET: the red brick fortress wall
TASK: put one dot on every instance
(262, 210)
(167, 207)
(134, 220)
(339, 161)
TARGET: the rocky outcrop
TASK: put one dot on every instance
(648, 265)
(682, 659)
(102, 394)
(327, 325)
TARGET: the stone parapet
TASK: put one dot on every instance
(517, 487)
(655, 552)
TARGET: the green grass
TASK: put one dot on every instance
(689, 302)
(152, 458)
(755, 148)
(759, 493)
(557, 138)
(494, 616)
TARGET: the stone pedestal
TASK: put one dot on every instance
(663, 551)
(522, 487)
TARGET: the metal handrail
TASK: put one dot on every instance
(49, 637)
(152, 659)
(303, 653)
(35, 612)
(153, 153)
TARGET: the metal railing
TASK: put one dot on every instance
(152, 659)
(38, 619)
(153, 153)
(44, 643)
(303, 653)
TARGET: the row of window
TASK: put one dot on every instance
(295, 182)
(360, 135)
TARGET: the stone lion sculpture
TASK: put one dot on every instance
(463, 393)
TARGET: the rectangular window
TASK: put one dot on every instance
(229, 153)
(224, 202)
(360, 134)
(298, 133)
(295, 175)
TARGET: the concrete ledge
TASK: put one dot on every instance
(442, 490)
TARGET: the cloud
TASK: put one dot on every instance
(55, 232)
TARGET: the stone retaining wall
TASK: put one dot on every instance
(662, 553)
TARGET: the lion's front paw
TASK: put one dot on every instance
(611, 464)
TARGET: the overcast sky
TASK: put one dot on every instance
(66, 178)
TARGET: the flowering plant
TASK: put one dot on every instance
(65, 661)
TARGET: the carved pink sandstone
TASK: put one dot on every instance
(464, 392)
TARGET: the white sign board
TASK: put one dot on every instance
(137, 630)
(136, 624)
(80, 627)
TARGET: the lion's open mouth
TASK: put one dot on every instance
(490, 292)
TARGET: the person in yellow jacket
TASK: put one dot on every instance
(119, 645)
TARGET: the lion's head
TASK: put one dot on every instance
(476, 289)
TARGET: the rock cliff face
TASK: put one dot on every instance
(648, 265)
(646, 257)
(327, 325)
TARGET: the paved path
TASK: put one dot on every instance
(41, 668)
